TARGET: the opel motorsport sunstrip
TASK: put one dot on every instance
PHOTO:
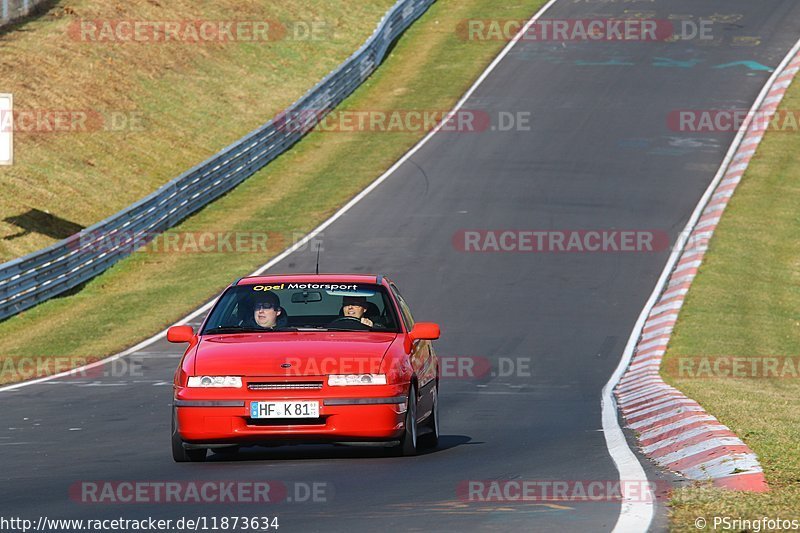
(306, 359)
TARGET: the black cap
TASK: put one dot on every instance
(267, 297)
(355, 300)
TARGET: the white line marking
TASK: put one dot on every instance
(298, 245)
(636, 514)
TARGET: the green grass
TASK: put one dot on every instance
(746, 302)
(430, 68)
(190, 100)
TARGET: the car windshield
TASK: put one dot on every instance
(303, 306)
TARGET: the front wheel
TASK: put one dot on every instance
(430, 439)
(408, 442)
(179, 453)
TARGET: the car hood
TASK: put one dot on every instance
(306, 353)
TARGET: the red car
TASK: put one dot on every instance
(306, 359)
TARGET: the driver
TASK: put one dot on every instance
(266, 310)
(356, 307)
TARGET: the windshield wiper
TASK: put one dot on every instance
(228, 329)
(242, 329)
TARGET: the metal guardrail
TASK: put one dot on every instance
(11, 10)
(34, 278)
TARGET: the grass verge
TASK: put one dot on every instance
(745, 302)
(429, 69)
(140, 113)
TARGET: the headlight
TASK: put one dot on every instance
(229, 382)
(356, 379)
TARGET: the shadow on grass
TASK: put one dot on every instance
(38, 221)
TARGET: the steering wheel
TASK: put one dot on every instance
(349, 322)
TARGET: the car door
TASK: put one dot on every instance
(422, 357)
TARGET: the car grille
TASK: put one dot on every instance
(283, 385)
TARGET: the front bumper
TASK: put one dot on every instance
(356, 413)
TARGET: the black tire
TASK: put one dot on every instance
(179, 453)
(408, 442)
(430, 439)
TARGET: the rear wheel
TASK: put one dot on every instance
(179, 453)
(430, 439)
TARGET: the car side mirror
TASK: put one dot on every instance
(426, 331)
(180, 334)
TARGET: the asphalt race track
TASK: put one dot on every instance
(599, 155)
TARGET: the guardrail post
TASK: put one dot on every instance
(31, 277)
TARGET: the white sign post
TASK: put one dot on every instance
(6, 129)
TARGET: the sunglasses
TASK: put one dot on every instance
(265, 306)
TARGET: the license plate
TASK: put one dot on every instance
(284, 410)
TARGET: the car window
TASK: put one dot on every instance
(404, 309)
(311, 305)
